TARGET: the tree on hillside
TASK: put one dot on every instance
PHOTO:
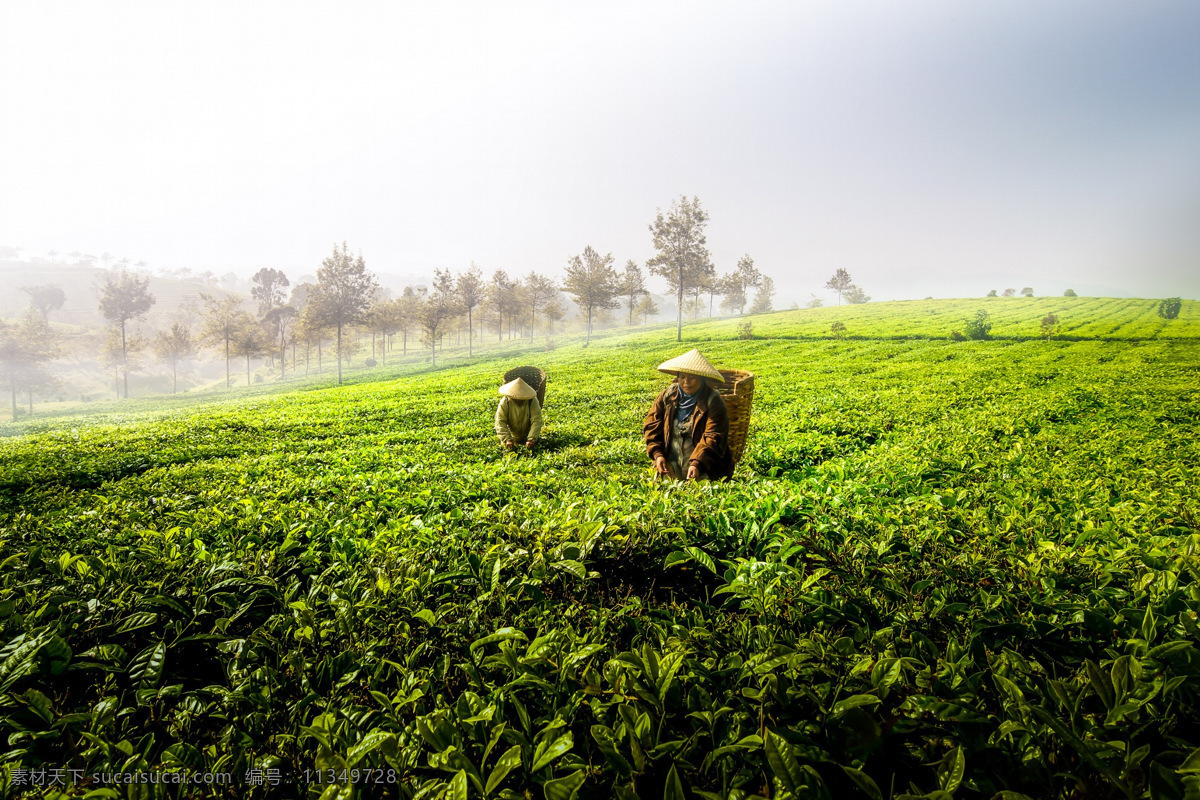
(407, 314)
(24, 349)
(223, 318)
(309, 329)
(280, 320)
(647, 307)
(172, 347)
(124, 297)
(1070, 293)
(539, 291)
(737, 284)
(814, 301)
(382, 319)
(1170, 308)
(45, 299)
(713, 284)
(980, 326)
(1050, 326)
(1008, 293)
(438, 307)
(633, 285)
(856, 296)
(762, 298)
(250, 341)
(270, 290)
(503, 298)
(682, 257)
(1027, 291)
(992, 293)
(343, 294)
(469, 291)
(840, 282)
(592, 283)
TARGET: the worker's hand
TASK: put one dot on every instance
(693, 472)
(509, 445)
(660, 465)
(529, 445)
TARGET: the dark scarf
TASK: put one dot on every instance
(687, 404)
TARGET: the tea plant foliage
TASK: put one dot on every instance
(943, 569)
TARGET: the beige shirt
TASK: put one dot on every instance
(518, 420)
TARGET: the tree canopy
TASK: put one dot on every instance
(593, 283)
(682, 257)
(125, 296)
(343, 293)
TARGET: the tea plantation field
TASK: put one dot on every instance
(944, 569)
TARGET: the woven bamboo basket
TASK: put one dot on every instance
(535, 377)
(738, 393)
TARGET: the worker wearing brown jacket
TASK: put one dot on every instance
(687, 429)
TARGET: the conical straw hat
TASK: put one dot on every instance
(518, 389)
(693, 363)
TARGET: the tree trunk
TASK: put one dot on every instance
(589, 327)
(174, 375)
(124, 361)
(227, 379)
(339, 353)
(14, 397)
(283, 352)
(247, 368)
(470, 333)
(679, 318)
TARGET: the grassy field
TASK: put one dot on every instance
(943, 568)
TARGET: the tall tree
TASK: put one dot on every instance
(24, 349)
(737, 284)
(633, 285)
(682, 257)
(124, 297)
(552, 312)
(439, 307)
(840, 282)
(539, 291)
(503, 297)
(383, 320)
(250, 341)
(280, 320)
(408, 313)
(173, 346)
(269, 289)
(469, 292)
(342, 294)
(223, 318)
(762, 298)
(646, 307)
(309, 330)
(45, 298)
(592, 283)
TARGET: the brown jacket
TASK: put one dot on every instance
(710, 422)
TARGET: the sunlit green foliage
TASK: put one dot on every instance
(965, 567)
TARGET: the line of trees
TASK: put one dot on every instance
(346, 299)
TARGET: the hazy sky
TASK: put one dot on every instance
(931, 148)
